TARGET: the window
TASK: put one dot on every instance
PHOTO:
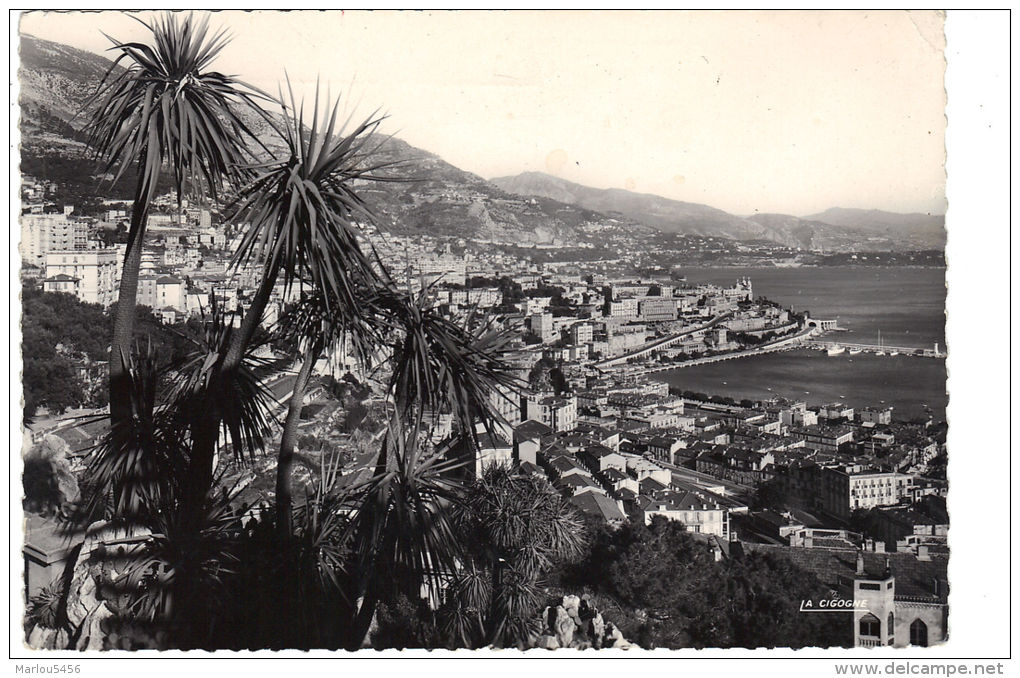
(870, 587)
(870, 626)
(889, 625)
(919, 633)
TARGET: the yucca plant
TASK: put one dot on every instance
(302, 218)
(514, 529)
(159, 106)
(443, 365)
(142, 456)
(403, 540)
(313, 326)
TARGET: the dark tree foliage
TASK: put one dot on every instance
(673, 593)
(404, 623)
(59, 330)
(52, 383)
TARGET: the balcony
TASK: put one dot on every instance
(869, 642)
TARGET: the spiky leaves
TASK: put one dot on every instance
(140, 460)
(514, 529)
(159, 105)
(303, 212)
(236, 403)
(141, 464)
(442, 365)
(403, 537)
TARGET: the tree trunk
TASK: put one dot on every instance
(200, 469)
(493, 624)
(288, 442)
(124, 322)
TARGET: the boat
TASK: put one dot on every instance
(855, 351)
(880, 351)
(836, 349)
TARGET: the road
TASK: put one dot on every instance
(696, 477)
(658, 343)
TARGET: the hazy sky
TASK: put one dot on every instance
(788, 112)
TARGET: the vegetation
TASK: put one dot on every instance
(514, 530)
(666, 589)
(60, 334)
(316, 568)
(159, 106)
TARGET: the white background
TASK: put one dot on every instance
(979, 342)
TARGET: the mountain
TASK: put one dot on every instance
(439, 199)
(834, 229)
(672, 216)
(924, 228)
(435, 197)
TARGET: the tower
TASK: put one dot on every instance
(874, 606)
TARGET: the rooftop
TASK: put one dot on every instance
(915, 578)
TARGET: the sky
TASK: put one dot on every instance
(747, 111)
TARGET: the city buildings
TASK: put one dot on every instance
(93, 272)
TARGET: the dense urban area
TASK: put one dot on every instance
(815, 482)
(279, 395)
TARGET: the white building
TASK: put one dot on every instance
(44, 233)
(95, 270)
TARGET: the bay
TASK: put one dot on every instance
(906, 304)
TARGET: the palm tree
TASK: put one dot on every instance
(304, 217)
(311, 327)
(180, 555)
(159, 106)
(514, 528)
(404, 537)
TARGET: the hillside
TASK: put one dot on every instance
(440, 199)
(928, 229)
(667, 215)
(437, 198)
(833, 229)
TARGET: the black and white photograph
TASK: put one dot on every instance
(541, 333)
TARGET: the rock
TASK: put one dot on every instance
(571, 604)
(565, 627)
(549, 621)
(614, 638)
(547, 643)
(85, 609)
(612, 635)
(597, 629)
(576, 623)
(40, 638)
(93, 635)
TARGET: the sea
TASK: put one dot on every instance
(905, 305)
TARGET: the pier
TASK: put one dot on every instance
(784, 344)
(875, 348)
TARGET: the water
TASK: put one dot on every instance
(905, 304)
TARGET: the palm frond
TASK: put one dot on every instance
(140, 458)
(440, 365)
(404, 538)
(159, 105)
(303, 209)
(201, 394)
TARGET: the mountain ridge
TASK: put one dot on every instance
(834, 228)
(528, 209)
